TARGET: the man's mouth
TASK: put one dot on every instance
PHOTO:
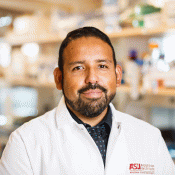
(92, 93)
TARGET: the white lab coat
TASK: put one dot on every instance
(54, 144)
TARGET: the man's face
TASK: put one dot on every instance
(89, 76)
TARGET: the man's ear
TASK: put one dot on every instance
(58, 78)
(119, 74)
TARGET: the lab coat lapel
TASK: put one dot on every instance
(62, 116)
(117, 151)
(78, 150)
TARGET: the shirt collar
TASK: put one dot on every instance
(107, 119)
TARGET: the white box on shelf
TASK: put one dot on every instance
(169, 13)
(153, 20)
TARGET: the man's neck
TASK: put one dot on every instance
(91, 121)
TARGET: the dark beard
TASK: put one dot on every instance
(93, 107)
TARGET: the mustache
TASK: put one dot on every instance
(92, 86)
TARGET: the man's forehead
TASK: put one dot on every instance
(87, 48)
(85, 43)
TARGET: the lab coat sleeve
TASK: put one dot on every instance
(165, 162)
(15, 159)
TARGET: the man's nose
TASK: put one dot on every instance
(91, 76)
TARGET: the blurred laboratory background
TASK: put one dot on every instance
(142, 33)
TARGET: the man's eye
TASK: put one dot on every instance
(77, 68)
(103, 66)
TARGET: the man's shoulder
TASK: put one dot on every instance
(134, 123)
(39, 124)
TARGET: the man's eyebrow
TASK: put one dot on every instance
(106, 60)
(76, 62)
(82, 62)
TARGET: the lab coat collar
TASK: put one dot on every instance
(64, 118)
(62, 115)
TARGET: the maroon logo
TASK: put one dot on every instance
(135, 166)
(141, 168)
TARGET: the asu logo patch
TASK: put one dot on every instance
(141, 168)
(135, 166)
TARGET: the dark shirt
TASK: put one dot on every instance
(100, 132)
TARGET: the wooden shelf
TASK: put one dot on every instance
(160, 91)
(123, 88)
(40, 38)
(126, 32)
(31, 83)
(45, 37)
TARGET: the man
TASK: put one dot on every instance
(85, 135)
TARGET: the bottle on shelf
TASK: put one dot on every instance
(133, 74)
(149, 63)
(162, 65)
